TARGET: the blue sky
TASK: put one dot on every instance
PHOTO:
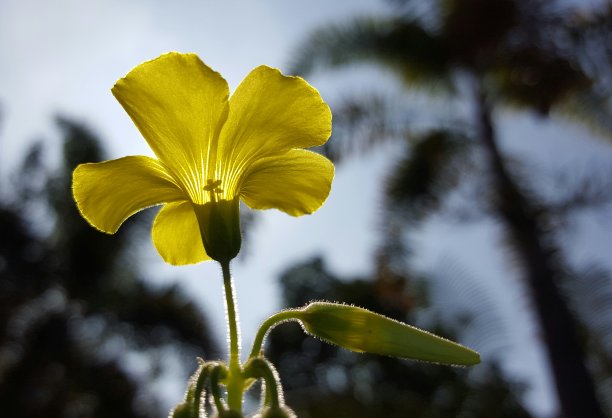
(63, 56)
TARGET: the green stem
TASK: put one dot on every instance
(234, 379)
(217, 374)
(199, 386)
(260, 368)
(232, 317)
(282, 316)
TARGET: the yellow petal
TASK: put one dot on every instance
(297, 182)
(109, 192)
(269, 114)
(178, 104)
(176, 235)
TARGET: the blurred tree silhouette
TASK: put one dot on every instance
(325, 381)
(540, 56)
(74, 310)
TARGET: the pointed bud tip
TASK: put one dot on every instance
(363, 331)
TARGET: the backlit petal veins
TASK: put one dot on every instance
(211, 149)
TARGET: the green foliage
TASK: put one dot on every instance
(70, 299)
(425, 175)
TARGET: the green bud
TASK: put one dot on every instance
(360, 330)
(219, 223)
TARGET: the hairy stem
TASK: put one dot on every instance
(282, 316)
(234, 379)
(260, 368)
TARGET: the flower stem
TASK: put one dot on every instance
(215, 376)
(282, 316)
(260, 367)
(232, 316)
(234, 378)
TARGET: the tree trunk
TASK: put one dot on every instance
(524, 227)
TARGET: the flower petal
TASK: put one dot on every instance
(270, 114)
(176, 235)
(297, 182)
(178, 104)
(109, 192)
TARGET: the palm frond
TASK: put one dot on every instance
(431, 168)
(591, 109)
(576, 190)
(464, 303)
(536, 77)
(402, 46)
(364, 121)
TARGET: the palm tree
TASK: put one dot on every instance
(519, 53)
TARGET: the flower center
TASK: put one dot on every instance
(219, 223)
(213, 187)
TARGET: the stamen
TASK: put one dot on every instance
(213, 188)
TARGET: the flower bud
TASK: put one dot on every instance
(360, 330)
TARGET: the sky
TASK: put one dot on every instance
(62, 57)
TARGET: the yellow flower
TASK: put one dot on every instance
(212, 150)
